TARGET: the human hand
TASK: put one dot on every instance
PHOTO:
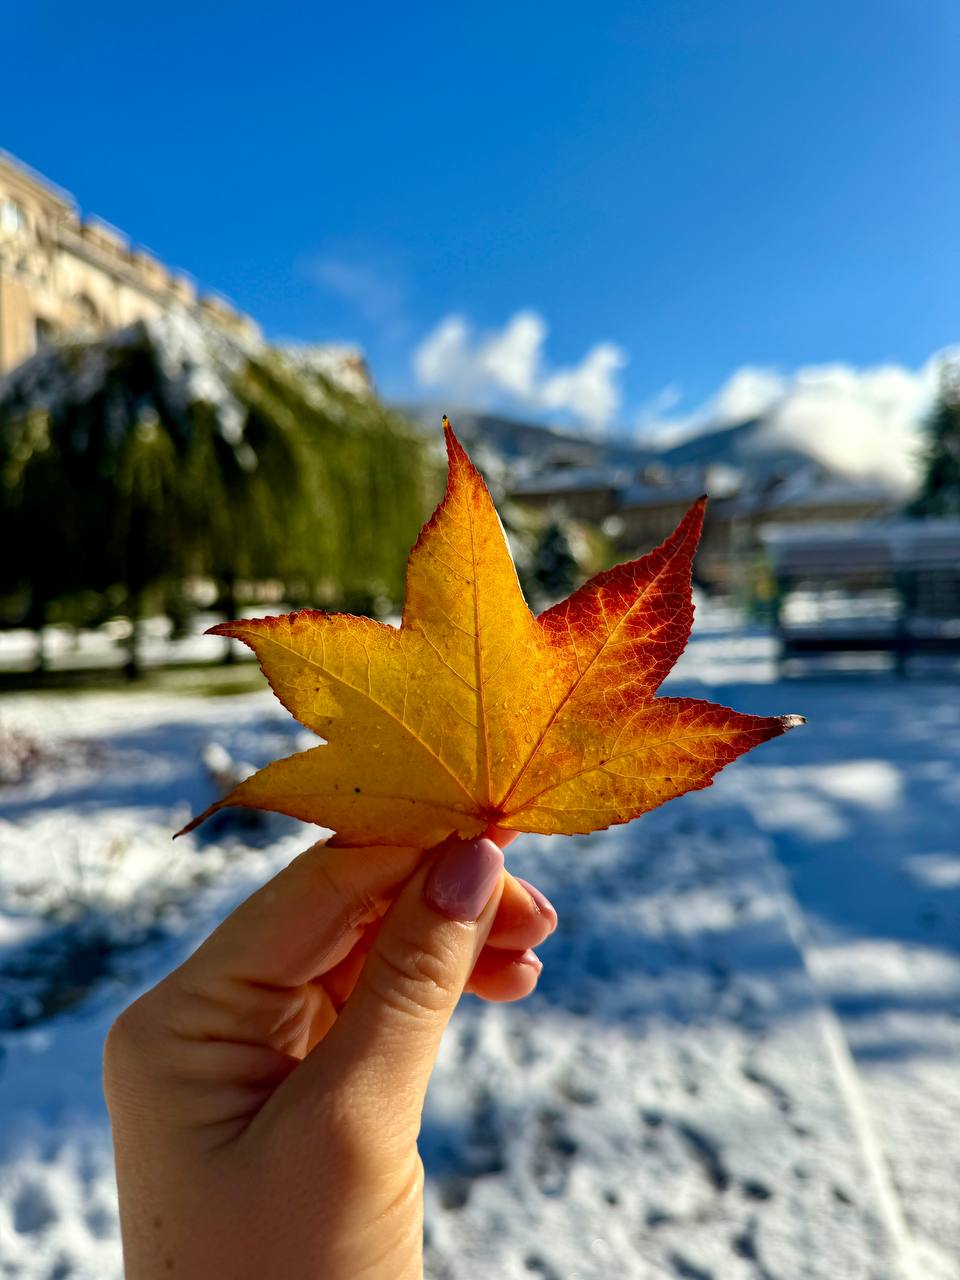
(266, 1096)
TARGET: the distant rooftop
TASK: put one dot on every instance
(567, 479)
(659, 495)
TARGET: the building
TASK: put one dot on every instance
(62, 275)
(580, 493)
(638, 508)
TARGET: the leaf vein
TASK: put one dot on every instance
(386, 710)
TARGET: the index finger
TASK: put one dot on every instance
(286, 932)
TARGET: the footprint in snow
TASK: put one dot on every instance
(554, 1150)
(32, 1209)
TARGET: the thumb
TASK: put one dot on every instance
(386, 1038)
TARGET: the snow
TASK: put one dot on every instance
(197, 363)
(68, 648)
(870, 544)
(741, 1062)
(574, 479)
(859, 806)
(815, 486)
(342, 364)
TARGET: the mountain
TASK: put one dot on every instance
(528, 448)
(754, 455)
(746, 446)
(745, 457)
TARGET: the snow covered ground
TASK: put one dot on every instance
(743, 1059)
(67, 648)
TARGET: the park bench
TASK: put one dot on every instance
(887, 587)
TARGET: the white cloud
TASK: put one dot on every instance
(508, 365)
(747, 393)
(861, 421)
(511, 358)
(589, 391)
(442, 359)
(864, 422)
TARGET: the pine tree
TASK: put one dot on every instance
(940, 487)
(554, 569)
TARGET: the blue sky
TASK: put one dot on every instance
(682, 186)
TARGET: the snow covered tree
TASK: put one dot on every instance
(167, 452)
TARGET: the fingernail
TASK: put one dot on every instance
(533, 960)
(463, 878)
(543, 903)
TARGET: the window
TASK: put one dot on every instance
(12, 217)
(87, 316)
(44, 332)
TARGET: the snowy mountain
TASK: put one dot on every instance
(529, 448)
(747, 446)
(749, 455)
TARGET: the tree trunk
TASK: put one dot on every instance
(230, 607)
(37, 620)
(132, 668)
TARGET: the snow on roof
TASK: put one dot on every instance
(652, 495)
(569, 479)
(816, 487)
(910, 544)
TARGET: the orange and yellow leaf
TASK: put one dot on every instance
(474, 713)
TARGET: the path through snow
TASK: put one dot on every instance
(678, 1099)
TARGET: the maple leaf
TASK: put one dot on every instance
(475, 713)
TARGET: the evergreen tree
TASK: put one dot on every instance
(555, 569)
(940, 487)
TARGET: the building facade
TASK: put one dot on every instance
(64, 276)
